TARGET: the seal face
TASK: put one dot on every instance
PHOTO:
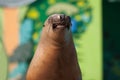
(58, 27)
(59, 21)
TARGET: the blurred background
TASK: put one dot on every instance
(95, 29)
(111, 39)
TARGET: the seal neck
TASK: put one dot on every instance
(55, 43)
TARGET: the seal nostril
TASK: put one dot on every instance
(62, 17)
(69, 19)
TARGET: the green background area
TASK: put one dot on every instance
(3, 57)
(91, 46)
(3, 63)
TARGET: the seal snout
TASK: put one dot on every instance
(60, 21)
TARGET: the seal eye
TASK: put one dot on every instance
(54, 26)
(43, 25)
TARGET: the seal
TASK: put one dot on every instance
(55, 57)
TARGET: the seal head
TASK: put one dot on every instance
(58, 27)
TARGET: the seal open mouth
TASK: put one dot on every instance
(60, 21)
